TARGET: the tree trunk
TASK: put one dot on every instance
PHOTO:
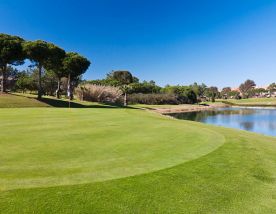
(3, 80)
(58, 89)
(71, 93)
(69, 88)
(39, 96)
(213, 98)
(125, 99)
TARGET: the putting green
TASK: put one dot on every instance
(50, 147)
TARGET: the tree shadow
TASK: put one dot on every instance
(65, 104)
(58, 103)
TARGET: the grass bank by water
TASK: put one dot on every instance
(261, 102)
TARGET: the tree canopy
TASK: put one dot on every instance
(75, 64)
(11, 53)
(51, 61)
(246, 87)
(123, 77)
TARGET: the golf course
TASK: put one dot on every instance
(95, 158)
(137, 107)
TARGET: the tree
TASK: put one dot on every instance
(22, 82)
(246, 87)
(11, 77)
(11, 53)
(189, 95)
(144, 87)
(257, 92)
(184, 94)
(136, 80)
(55, 66)
(40, 53)
(199, 89)
(272, 88)
(49, 83)
(74, 66)
(225, 92)
(212, 92)
(234, 94)
(124, 78)
(25, 81)
(105, 82)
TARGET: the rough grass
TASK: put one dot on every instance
(106, 160)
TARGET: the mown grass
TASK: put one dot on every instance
(117, 160)
(67, 146)
(253, 102)
(17, 101)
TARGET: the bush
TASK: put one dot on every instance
(184, 94)
(152, 99)
(188, 96)
(99, 93)
(144, 88)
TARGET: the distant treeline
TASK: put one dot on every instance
(55, 72)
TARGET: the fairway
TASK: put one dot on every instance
(116, 160)
(269, 102)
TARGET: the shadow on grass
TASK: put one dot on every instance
(65, 104)
(56, 103)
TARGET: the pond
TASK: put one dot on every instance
(259, 120)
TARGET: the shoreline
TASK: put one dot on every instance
(260, 105)
(188, 108)
(254, 107)
(194, 108)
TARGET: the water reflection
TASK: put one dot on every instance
(249, 126)
(260, 120)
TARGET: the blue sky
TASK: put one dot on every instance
(218, 42)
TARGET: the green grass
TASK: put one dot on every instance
(116, 160)
(17, 101)
(254, 102)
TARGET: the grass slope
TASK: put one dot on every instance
(17, 101)
(106, 160)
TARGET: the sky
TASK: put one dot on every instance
(218, 42)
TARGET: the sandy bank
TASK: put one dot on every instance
(187, 108)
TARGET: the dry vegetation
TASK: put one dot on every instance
(99, 93)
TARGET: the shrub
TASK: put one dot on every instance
(99, 93)
(152, 99)
(144, 88)
(184, 94)
(188, 96)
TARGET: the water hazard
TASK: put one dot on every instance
(259, 120)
